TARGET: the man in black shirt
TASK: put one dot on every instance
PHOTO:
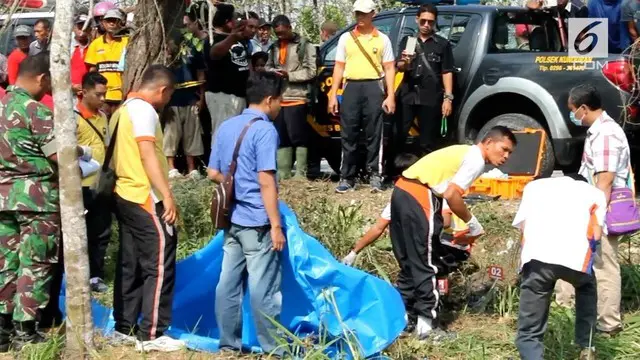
(565, 9)
(228, 66)
(426, 91)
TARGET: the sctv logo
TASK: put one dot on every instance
(589, 37)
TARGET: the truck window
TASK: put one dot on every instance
(384, 25)
(450, 27)
(524, 32)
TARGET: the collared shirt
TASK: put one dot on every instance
(457, 165)
(356, 65)
(36, 47)
(257, 46)
(97, 139)
(13, 64)
(556, 217)
(28, 179)
(421, 84)
(606, 149)
(257, 153)
(105, 55)
(78, 66)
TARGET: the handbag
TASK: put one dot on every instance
(222, 198)
(623, 217)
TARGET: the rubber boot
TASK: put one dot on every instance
(6, 332)
(26, 334)
(285, 160)
(301, 163)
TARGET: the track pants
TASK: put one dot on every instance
(361, 108)
(416, 224)
(145, 273)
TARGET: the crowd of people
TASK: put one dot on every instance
(253, 77)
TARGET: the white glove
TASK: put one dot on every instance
(87, 153)
(350, 259)
(475, 229)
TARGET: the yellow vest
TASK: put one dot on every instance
(438, 167)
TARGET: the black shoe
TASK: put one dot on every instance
(26, 334)
(376, 184)
(6, 332)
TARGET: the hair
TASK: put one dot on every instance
(281, 20)
(403, 161)
(44, 22)
(91, 79)
(35, 65)
(157, 74)
(499, 132)
(585, 94)
(329, 26)
(254, 15)
(223, 15)
(576, 177)
(259, 55)
(430, 8)
(264, 84)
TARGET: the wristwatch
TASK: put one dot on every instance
(448, 97)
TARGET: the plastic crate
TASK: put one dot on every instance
(519, 174)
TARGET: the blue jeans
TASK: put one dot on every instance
(248, 251)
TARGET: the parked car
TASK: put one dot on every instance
(8, 23)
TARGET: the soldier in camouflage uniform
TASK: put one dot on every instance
(29, 204)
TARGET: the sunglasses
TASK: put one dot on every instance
(425, 21)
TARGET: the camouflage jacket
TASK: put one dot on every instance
(28, 179)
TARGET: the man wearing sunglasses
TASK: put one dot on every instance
(426, 91)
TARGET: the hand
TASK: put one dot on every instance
(170, 210)
(277, 238)
(237, 33)
(446, 108)
(350, 258)
(535, 4)
(77, 89)
(283, 73)
(475, 229)
(406, 57)
(85, 153)
(199, 104)
(594, 244)
(332, 108)
(389, 104)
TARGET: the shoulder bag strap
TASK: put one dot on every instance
(236, 150)
(92, 126)
(112, 142)
(365, 53)
(426, 63)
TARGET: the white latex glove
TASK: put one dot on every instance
(87, 153)
(350, 259)
(475, 229)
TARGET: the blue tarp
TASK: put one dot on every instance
(319, 295)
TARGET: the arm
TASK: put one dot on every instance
(338, 71)
(152, 167)
(220, 49)
(627, 18)
(404, 62)
(215, 176)
(633, 32)
(308, 70)
(371, 235)
(390, 78)
(456, 203)
(202, 76)
(269, 192)
(604, 182)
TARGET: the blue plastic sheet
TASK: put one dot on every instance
(319, 295)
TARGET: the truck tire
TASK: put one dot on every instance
(518, 122)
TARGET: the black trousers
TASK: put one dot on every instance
(292, 126)
(98, 219)
(361, 108)
(538, 282)
(429, 120)
(416, 223)
(145, 274)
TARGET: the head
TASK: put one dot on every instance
(264, 92)
(498, 145)
(282, 27)
(157, 85)
(112, 21)
(34, 75)
(22, 34)
(364, 11)
(562, 3)
(94, 90)
(191, 23)
(259, 60)
(224, 17)
(585, 104)
(264, 31)
(41, 30)
(172, 50)
(252, 25)
(81, 34)
(327, 30)
(426, 19)
(403, 161)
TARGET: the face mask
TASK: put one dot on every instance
(572, 117)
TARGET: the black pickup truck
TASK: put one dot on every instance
(500, 79)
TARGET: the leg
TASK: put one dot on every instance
(9, 249)
(586, 307)
(172, 135)
(127, 293)
(538, 280)
(607, 272)
(402, 124)
(238, 105)
(229, 291)
(399, 235)
(429, 118)
(350, 114)
(217, 103)
(285, 154)
(265, 275)
(299, 131)
(372, 115)
(192, 136)
(98, 219)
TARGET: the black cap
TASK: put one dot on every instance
(263, 23)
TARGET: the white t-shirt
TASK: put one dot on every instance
(144, 120)
(555, 216)
(472, 167)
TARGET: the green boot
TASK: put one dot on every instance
(285, 159)
(301, 162)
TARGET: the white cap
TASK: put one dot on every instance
(364, 6)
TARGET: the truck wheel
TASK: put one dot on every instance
(518, 122)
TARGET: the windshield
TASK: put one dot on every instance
(525, 31)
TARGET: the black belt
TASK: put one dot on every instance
(363, 80)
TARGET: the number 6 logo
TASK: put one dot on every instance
(583, 35)
(588, 37)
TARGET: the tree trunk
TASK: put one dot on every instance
(153, 20)
(79, 331)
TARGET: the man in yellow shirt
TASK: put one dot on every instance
(104, 55)
(92, 132)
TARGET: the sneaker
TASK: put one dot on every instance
(174, 174)
(195, 175)
(119, 339)
(588, 354)
(376, 184)
(344, 186)
(98, 285)
(163, 344)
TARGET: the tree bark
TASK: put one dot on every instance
(79, 331)
(153, 20)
